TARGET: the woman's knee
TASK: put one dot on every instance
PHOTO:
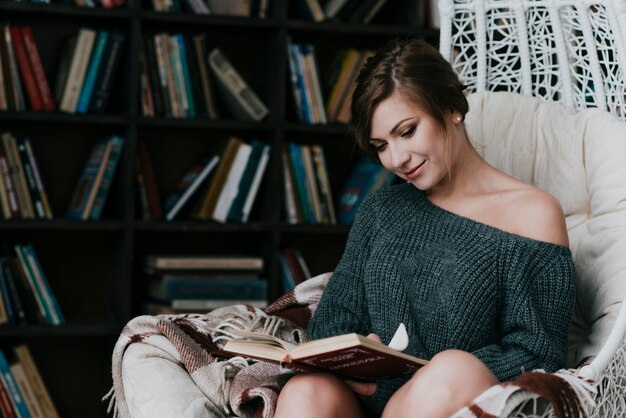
(314, 386)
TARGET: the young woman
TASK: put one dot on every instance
(474, 262)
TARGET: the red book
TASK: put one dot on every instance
(28, 76)
(40, 75)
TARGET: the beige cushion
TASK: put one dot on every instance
(580, 158)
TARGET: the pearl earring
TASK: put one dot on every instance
(458, 119)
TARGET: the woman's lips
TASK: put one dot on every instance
(413, 173)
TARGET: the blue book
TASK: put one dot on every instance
(106, 72)
(295, 157)
(8, 380)
(87, 180)
(191, 112)
(166, 288)
(49, 297)
(356, 188)
(6, 298)
(107, 179)
(295, 82)
(92, 72)
(289, 282)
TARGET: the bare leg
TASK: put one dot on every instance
(449, 382)
(317, 395)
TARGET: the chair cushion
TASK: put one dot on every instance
(580, 158)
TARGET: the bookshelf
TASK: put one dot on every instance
(93, 266)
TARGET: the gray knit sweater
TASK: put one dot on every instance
(454, 283)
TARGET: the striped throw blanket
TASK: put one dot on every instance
(246, 388)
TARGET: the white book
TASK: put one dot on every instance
(256, 182)
(333, 6)
(239, 97)
(193, 187)
(290, 197)
(231, 186)
(78, 68)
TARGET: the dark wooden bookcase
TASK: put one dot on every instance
(94, 267)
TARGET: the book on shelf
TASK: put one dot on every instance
(241, 100)
(170, 288)
(17, 176)
(196, 262)
(17, 402)
(95, 181)
(15, 93)
(178, 306)
(366, 177)
(205, 207)
(230, 7)
(107, 71)
(350, 356)
(310, 10)
(77, 69)
(117, 146)
(40, 390)
(200, 51)
(95, 63)
(228, 190)
(305, 83)
(34, 179)
(26, 70)
(293, 267)
(250, 181)
(188, 185)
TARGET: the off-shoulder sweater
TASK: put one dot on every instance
(454, 282)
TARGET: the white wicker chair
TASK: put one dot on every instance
(572, 52)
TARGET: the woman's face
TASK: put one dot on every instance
(409, 142)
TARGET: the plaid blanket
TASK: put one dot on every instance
(246, 388)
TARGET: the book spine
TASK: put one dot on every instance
(290, 200)
(256, 182)
(142, 192)
(78, 67)
(35, 287)
(238, 89)
(107, 71)
(5, 301)
(64, 68)
(17, 170)
(25, 389)
(191, 112)
(6, 406)
(9, 186)
(231, 185)
(4, 105)
(38, 179)
(14, 72)
(207, 88)
(44, 284)
(177, 74)
(310, 186)
(323, 179)
(145, 83)
(300, 176)
(305, 92)
(40, 75)
(193, 185)
(29, 173)
(28, 77)
(4, 197)
(107, 179)
(9, 381)
(39, 388)
(6, 70)
(86, 181)
(13, 294)
(92, 71)
(95, 186)
(159, 55)
(295, 83)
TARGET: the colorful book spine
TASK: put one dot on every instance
(77, 70)
(117, 146)
(107, 72)
(38, 179)
(28, 76)
(92, 72)
(29, 173)
(42, 280)
(191, 111)
(34, 285)
(86, 181)
(40, 75)
(8, 380)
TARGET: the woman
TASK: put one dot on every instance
(474, 262)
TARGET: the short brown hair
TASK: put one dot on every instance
(414, 69)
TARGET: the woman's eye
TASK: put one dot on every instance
(380, 147)
(408, 132)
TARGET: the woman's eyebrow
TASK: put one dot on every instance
(397, 125)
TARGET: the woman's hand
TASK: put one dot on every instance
(360, 388)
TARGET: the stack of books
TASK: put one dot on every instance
(308, 195)
(23, 392)
(26, 296)
(88, 67)
(244, 8)
(176, 80)
(95, 181)
(353, 11)
(22, 193)
(188, 283)
(306, 84)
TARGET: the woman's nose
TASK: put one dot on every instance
(399, 155)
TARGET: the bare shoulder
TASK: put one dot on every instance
(539, 215)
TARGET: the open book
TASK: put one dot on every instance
(350, 355)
